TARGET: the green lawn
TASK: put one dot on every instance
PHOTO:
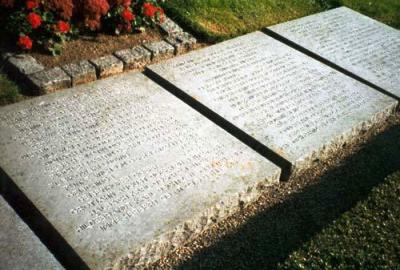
(9, 91)
(215, 20)
(367, 237)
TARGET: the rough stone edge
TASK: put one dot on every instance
(152, 253)
(331, 158)
(165, 244)
(348, 137)
(169, 31)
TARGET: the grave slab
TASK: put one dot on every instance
(120, 166)
(19, 247)
(285, 100)
(361, 45)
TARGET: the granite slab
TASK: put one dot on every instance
(19, 246)
(361, 45)
(287, 101)
(120, 166)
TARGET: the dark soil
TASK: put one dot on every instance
(88, 47)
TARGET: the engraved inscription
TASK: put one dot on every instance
(100, 141)
(365, 47)
(272, 92)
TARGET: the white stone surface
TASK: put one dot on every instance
(116, 164)
(20, 249)
(353, 41)
(289, 102)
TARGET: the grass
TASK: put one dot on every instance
(9, 91)
(367, 237)
(216, 20)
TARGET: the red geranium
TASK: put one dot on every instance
(34, 19)
(25, 42)
(31, 4)
(149, 9)
(63, 27)
(127, 15)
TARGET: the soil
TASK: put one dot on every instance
(88, 47)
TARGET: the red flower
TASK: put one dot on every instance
(34, 19)
(31, 4)
(63, 27)
(149, 9)
(25, 42)
(127, 15)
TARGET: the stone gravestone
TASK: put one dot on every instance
(121, 166)
(19, 247)
(361, 45)
(289, 102)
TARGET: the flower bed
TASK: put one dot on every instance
(47, 24)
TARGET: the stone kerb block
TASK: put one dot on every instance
(48, 81)
(291, 103)
(170, 27)
(182, 42)
(80, 72)
(107, 66)
(361, 45)
(125, 171)
(135, 58)
(21, 65)
(160, 50)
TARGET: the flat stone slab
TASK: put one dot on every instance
(51, 80)
(285, 100)
(121, 164)
(352, 41)
(80, 72)
(19, 246)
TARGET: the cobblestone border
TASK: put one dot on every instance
(29, 72)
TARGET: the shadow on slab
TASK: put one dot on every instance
(267, 239)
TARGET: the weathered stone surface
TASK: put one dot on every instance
(160, 50)
(291, 103)
(170, 27)
(81, 72)
(135, 58)
(355, 42)
(107, 66)
(121, 164)
(182, 42)
(50, 80)
(19, 247)
(24, 64)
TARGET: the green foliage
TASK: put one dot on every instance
(367, 237)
